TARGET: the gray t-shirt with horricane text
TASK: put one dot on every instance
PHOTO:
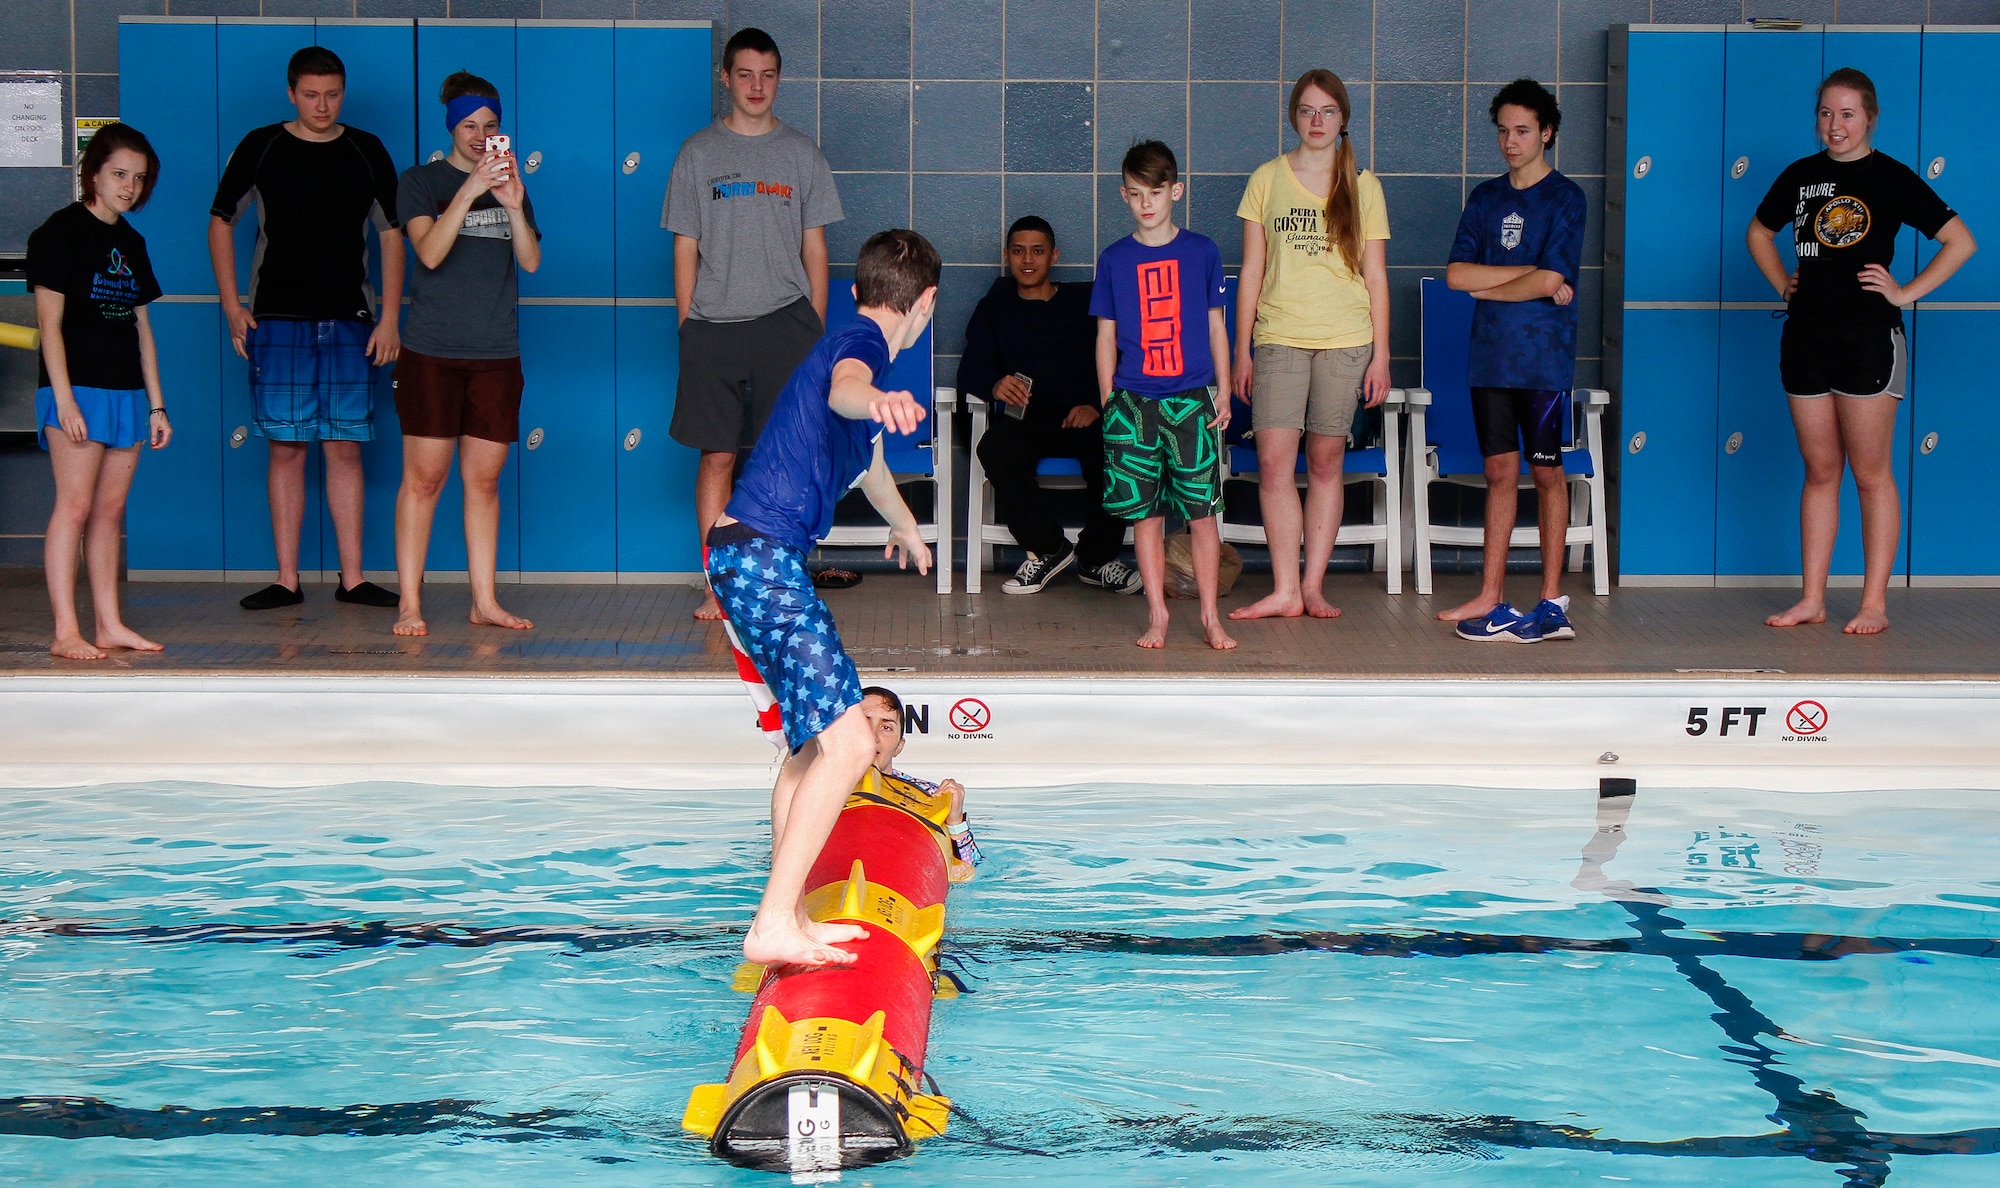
(749, 200)
(463, 308)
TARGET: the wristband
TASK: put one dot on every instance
(964, 826)
(160, 410)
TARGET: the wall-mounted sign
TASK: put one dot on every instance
(31, 123)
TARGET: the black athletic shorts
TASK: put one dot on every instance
(1816, 359)
(732, 372)
(1519, 421)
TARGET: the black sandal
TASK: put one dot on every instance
(836, 579)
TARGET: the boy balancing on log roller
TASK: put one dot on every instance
(823, 438)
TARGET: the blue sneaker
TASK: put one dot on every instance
(1553, 614)
(1503, 624)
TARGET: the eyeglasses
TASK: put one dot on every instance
(1319, 113)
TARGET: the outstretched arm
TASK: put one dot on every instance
(906, 542)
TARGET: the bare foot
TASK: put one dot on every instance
(710, 611)
(497, 616)
(833, 934)
(1318, 607)
(1478, 608)
(785, 944)
(122, 636)
(1271, 606)
(1217, 637)
(72, 647)
(1804, 612)
(1156, 633)
(1868, 622)
(411, 622)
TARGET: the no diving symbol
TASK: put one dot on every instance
(1807, 717)
(969, 715)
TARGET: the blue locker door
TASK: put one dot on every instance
(1955, 152)
(381, 64)
(1767, 124)
(569, 495)
(656, 528)
(173, 519)
(168, 93)
(1667, 485)
(1952, 533)
(250, 93)
(566, 69)
(1674, 203)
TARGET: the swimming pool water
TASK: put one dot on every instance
(1380, 985)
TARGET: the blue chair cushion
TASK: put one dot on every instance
(1058, 467)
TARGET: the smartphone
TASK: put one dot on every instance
(500, 142)
(1019, 411)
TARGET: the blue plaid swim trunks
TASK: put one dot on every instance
(311, 381)
(778, 622)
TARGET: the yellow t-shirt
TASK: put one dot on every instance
(1310, 298)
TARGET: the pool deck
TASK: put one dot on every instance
(895, 623)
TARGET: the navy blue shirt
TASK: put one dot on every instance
(809, 455)
(1524, 344)
(1160, 298)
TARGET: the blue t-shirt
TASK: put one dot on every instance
(1524, 344)
(809, 455)
(1160, 298)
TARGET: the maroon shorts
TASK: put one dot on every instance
(458, 397)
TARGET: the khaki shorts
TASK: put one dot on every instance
(1318, 391)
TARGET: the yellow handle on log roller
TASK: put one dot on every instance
(27, 338)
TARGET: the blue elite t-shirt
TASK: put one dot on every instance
(1160, 298)
(809, 455)
(1524, 344)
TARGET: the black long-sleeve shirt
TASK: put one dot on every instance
(1055, 341)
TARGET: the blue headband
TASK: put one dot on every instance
(455, 110)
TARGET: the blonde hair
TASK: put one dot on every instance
(1343, 197)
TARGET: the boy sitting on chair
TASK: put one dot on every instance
(823, 438)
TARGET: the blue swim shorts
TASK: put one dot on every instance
(311, 381)
(117, 418)
(780, 623)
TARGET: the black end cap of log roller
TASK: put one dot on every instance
(1611, 786)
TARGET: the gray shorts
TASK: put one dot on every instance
(1318, 391)
(732, 372)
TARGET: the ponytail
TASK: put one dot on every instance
(1343, 196)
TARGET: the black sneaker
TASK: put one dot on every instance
(1114, 575)
(365, 594)
(1038, 571)
(272, 597)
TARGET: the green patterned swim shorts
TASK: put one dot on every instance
(1161, 457)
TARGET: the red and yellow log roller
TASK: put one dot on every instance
(827, 1072)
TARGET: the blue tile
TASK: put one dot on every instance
(1423, 213)
(28, 196)
(1697, 12)
(399, 8)
(797, 105)
(309, 8)
(1419, 128)
(865, 39)
(1128, 112)
(865, 125)
(793, 24)
(957, 126)
(210, 8)
(1211, 209)
(1585, 27)
(685, 10)
(1141, 38)
(1235, 39)
(1965, 12)
(1048, 127)
(1813, 12)
(1406, 314)
(97, 30)
(96, 95)
(958, 38)
(496, 10)
(1887, 12)
(1420, 40)
(1510, 39)
(584, 10)
(1114, 219)
(1593, 227)
(1233, 127)
(959, 291)
(1336, 35)
(871, 202)
(37, 36)
(1360, 125)
(960, 214)
(1580, 147)
(1064, 199)
(1052, 39)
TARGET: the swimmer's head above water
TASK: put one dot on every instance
(884, 711)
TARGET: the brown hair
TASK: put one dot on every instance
(1853, 80)
(316, 60)
(894, 269)
(1151, 164)
(108, 140)
(465, 82)
(756, 41)
(1343, 197)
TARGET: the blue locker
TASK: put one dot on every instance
(656, 528)
(173, 519)
(566, 69)
(1767, 124)
(1951, 531)
(663, 76)
(1667, 486)
(1955, 152)
(172, 100)
(1671, 211)
(569, 479)
(1758, 481)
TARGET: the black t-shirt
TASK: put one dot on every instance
(1846, 215)
(1054, 341)
(312, 198)
(103, 273)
